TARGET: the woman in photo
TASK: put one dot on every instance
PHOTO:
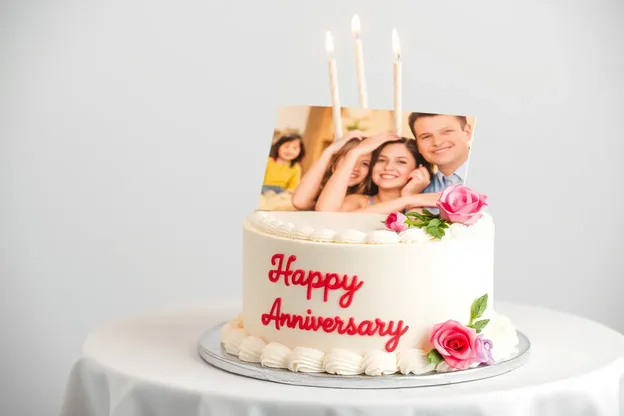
(316, 178)
(397, 176)
(283, 171)
(354, 164)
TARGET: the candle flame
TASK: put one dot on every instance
(329, 42)
(396, 46)
(355, 25)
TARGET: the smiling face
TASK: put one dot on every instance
(393, 166)
(442, 140)
(360, 170)
(289, 150)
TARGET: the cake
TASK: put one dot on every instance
(371, 294)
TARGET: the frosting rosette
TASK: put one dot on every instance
(414, 361)
(343, 362)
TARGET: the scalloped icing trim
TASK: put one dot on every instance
(235, 340)
(265, 222)
(309, 360)
(250, 348)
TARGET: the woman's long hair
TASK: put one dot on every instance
(346, 148)
(370, 188)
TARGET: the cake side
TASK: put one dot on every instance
(367, 306)
(405, 287)
(408, 292)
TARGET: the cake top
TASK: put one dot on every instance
(346, 228)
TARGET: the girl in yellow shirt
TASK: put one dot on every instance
(283, 171)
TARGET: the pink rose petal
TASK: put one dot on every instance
(461, 204)
(468, 208)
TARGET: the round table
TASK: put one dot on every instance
(149, 365)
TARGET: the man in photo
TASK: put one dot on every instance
(444, 141)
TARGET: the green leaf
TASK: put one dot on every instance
(413, 214)
(444, 225)
(479, 325)
(434, 222)
(435, 232)
(428, 213)
(421, 218)
(478, 307)
(434, 357)
(411, 223)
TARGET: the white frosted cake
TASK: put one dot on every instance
(372, 294)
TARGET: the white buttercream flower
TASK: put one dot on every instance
(501, 331)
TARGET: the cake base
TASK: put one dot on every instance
(211, 351)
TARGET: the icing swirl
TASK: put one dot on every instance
(258, 218)
(233, 340)
(251, 349)
(267, 224)
(379, 363)
(458, 230)
(306, 360)
(382, 237)
(414, 361)
(284, 229)
(443, 367)
(235, 323)
(302, 231)
(324, 234)
(414, 235)
(351, 236)
(343, 362)
(275, 355)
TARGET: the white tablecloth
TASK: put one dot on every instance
(149, 366)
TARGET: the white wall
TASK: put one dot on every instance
(127, 161)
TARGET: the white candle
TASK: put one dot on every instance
(397, 82)
(333, 82)
(359, 61)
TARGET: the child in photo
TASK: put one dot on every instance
(283, 171)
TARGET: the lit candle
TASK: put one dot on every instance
(359, 61)
(397, 81)
(333, 81)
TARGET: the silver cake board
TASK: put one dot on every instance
(211, 351)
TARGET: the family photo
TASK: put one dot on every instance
(370, 168)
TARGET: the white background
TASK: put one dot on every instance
(133, 139)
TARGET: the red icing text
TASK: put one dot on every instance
(313, 279)
(335, 324)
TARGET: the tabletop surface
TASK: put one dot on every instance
(161, 348)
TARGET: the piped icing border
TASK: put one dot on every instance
(461, 216)
(266, 222)
(483, 341)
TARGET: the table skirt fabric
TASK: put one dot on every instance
(133, 368)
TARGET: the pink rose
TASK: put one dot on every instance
(396, 222)
(461, 204)
(456, 343)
